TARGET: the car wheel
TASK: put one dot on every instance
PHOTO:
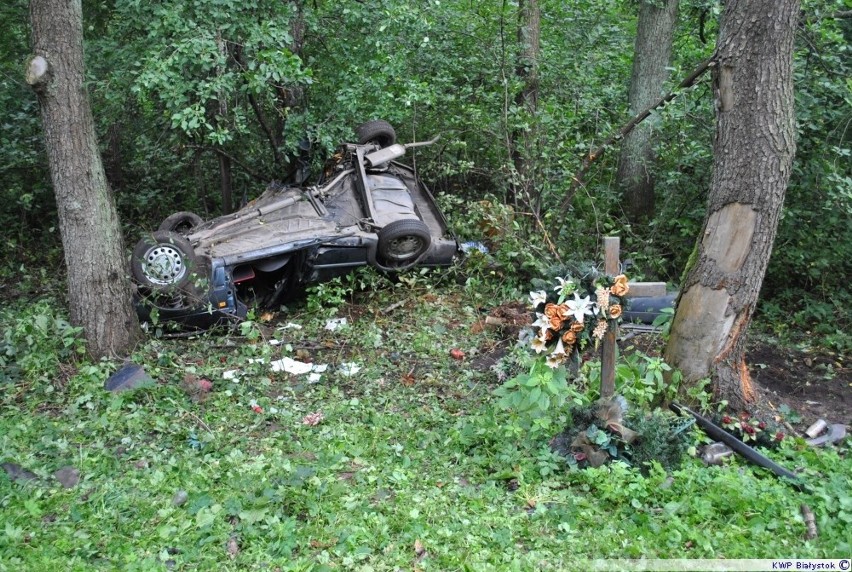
(163, 261)
(403, 242)
(379, 132)
(181, 223)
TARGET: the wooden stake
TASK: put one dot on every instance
(611, 267)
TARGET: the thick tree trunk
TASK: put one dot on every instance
(650, 71)
(98, 289)
(524, 140)
(752, 159)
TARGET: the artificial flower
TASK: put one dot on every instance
(569, 338)
(538, 298)
(556, 322)
(564, 311)
(551, 310)
(542, 321)
(557, 356)
(580, 307)
(600, 330)
(602, 298)
(615, 311)
(539, 344)
(620, 287)
(577, 327)
(564, 287)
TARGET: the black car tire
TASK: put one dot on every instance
(182, 222)
(403, 242)
(163, 261)
(379, 132)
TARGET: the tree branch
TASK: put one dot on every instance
(593, 156)
(251, 172)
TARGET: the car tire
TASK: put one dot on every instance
(403, 242)
(379, 132)
(164, 261)
(182, 222)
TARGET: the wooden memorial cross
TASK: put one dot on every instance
(612, 267)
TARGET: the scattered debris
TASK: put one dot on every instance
(348, 368)
(457, 354)
(810, 522)
(67, 476)
(197, 388)
(313, 419)
(394, 306)
(131, 376)
(419, 550)
(335, 324)
(18, 474)
(233, 547)
(716, 453)
(818, 427)
(835, 433)
(180, 498)
(291, 366)
(715, 432)
(231, 375)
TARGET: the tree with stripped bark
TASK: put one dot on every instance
(98, 291)
(752, 160)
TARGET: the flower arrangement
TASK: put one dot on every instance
(748, 428)
(575, 313)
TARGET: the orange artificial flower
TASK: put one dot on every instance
(615, 311)
(569, 338)
(551, 310)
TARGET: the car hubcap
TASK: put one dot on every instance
(164, 265)
(404, 247)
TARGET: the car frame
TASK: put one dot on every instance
(366, 209)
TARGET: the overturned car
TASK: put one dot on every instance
(366, 209)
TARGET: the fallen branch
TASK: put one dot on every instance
(687, 82)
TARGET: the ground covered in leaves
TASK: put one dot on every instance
(389, 453)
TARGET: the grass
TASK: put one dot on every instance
(411, 466)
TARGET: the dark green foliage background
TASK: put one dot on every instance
(157, 80)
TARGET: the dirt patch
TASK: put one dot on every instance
(817, 385)
(814, 384)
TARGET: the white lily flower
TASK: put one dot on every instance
(564, 287)
(539, 344)
(538, 298)
(580, 307)
(542, 321)
(559, 349)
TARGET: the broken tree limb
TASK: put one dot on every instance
(596, 154)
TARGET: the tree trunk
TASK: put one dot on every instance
(650, 71)
(523, 140)
(98, 289)
(752, 159)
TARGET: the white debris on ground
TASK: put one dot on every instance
(335, 324)
(349, 368)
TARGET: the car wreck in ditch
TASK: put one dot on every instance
(366, 209)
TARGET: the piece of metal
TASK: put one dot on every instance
(716, 432)
(817, 428)
(835, 433)
(716, 453)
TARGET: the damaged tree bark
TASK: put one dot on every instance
(98, 289)
(752, 159)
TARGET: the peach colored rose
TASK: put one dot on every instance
(615, 311)
(569, 338)
(551, 310)
(549, 335)
(620, 288)
(577, 327)
(564, 311)
(556, 322)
